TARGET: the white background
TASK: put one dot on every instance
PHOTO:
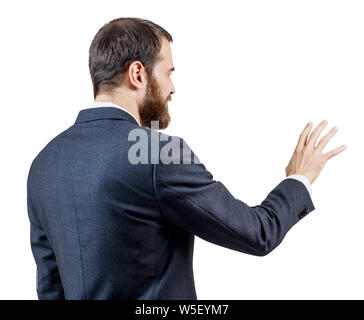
(249, 76)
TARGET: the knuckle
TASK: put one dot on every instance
(308, 147)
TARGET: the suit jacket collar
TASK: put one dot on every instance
(91, 114)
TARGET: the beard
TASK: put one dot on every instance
(154, 107)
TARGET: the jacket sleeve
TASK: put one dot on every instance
(190, 198)
(48, 281)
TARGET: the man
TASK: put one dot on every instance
(113, 216)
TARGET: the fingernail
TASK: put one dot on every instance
(336, 128)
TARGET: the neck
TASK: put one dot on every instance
(121, 100)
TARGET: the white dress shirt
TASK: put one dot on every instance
(298, 177)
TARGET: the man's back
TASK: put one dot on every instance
(105, 228)
(102, 218)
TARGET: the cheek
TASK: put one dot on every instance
(164, 84)
(164, 87)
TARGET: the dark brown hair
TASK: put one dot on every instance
(117, 44)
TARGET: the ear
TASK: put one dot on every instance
(136, 73)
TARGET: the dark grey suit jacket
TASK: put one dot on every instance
(104, 228)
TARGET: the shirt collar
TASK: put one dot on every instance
(98, 104)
